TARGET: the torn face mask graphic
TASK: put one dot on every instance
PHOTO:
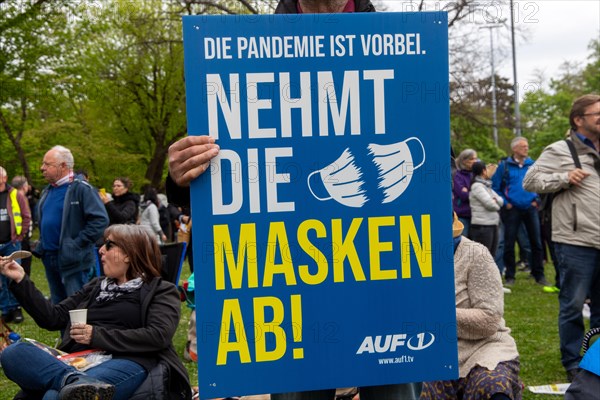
(344, 181)
(395, 165)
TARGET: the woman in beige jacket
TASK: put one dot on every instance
(488, 359)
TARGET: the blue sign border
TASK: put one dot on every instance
(357, 185)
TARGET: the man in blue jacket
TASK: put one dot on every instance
(519, 206)
(72, 218)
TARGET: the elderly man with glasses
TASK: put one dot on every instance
(72, 218)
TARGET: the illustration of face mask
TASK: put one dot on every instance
(342, 180)
(395, 165)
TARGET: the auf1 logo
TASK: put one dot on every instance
(420, 341)
(389, 343)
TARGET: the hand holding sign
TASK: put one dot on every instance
(190, 157)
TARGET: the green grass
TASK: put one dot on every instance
(532, 316)
(529, 312)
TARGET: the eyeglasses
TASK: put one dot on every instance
(49, 164)
(596, 114)
(109, 244)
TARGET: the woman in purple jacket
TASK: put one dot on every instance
(461, 185)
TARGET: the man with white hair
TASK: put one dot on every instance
(520, 206)
(72, 218)
(15, 218)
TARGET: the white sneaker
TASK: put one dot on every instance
(506, 290)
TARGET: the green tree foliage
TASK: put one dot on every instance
(546, 112)
(471, 119)
(106, 80)
(131, 72)
(28, 48)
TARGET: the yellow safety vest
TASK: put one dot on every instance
(16, 211)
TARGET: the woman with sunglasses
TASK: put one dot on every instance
(132, 315)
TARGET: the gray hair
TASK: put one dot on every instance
(464, 156)
(18, 181)
(3, 172)
(516, 140)
(64, 155)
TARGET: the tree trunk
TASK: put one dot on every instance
(154, 172)
(16, 142)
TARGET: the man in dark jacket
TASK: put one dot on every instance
(72, 218)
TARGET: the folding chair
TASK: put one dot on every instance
(173, 255)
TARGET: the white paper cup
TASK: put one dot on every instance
(78, 316)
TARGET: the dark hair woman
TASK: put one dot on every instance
(132, 315)
(123, 207)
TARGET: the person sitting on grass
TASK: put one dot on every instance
(132, 315)
(488, 360)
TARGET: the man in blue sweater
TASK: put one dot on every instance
(72, 218)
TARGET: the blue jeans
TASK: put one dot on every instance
(579, 278)
(405, 391)
(524, 246)
(523, 241)
(61, 286)
(499, 256)
(7, 300)
(512, 220)
(49, 374)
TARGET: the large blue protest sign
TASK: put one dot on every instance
(322, 231)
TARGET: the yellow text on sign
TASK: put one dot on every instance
(234, 337)
(240, 269)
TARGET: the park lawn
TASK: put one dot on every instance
(529, 312)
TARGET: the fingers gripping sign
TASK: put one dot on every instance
(190, 157)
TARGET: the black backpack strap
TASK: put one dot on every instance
(573, 153)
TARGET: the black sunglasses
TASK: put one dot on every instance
(109, 244)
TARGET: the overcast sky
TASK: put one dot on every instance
(550, 32)
(559, 31)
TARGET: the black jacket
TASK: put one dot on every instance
(123, 209)
(291, 6)
(161, 308)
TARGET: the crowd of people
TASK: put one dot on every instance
(71, 216)
(558, 194)
(133, 314)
